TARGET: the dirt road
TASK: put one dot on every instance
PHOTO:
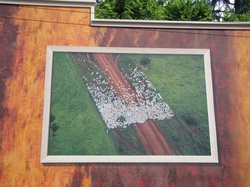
(153, 139)
(149, 132)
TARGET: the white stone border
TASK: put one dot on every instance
(132, 23)
(82, 3)
(170, 24)
(213, 158)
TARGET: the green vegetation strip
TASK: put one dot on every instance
(80, 130)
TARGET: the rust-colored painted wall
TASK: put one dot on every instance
(25, 31)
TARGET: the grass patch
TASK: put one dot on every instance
(180, 79)
(80, 131)
(129, 133)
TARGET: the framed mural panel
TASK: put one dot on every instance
(128, 105)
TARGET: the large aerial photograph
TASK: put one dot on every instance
(135, 103)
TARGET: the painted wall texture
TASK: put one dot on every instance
(25, 31)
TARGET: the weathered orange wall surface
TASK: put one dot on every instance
(25, 31)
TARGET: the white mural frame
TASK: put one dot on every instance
(213, 158)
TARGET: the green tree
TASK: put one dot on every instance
(54, 128)
(155, 10)
(177, 10)
(52, 118)
(105, 10)
(188, 10)
(145, 61)
(130, 9)
(230, 15)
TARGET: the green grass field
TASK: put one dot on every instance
(81, 130)
(180, 79)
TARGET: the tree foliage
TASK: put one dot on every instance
(130, 9)
(54, 128)
(188, 10)
(177, 10)
(105, 10)
(230, 15)
(53, 125)
(145, 61)
(226, 10)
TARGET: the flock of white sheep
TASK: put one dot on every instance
(136, 106)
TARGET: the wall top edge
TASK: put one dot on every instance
(133, 23)
(171, 24)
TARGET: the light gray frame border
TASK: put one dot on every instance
(129, 159)
(132, 23)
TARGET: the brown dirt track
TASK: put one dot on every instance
(149, 132)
